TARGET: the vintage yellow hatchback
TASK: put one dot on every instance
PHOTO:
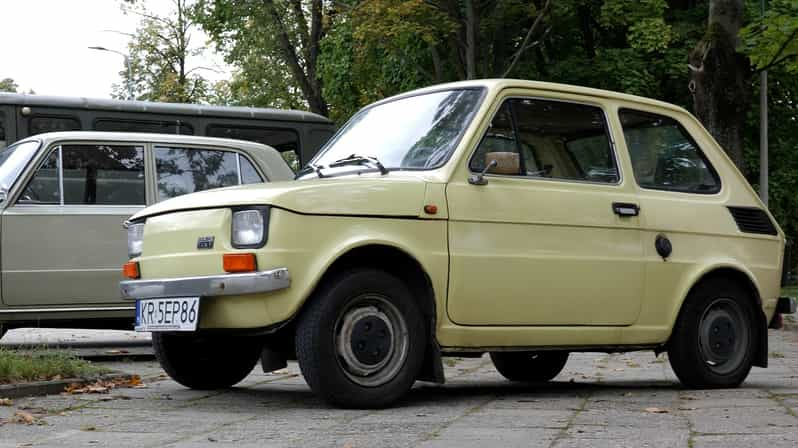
(523, 219)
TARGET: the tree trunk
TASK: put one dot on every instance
(720, 78)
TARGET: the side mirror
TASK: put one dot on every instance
(479, 178)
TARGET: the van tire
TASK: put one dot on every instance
(714, 339)
(361, 339)
(206, 362)
(529, 366)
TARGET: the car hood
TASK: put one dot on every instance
(357, 195)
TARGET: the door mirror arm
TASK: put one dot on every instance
(479, 178)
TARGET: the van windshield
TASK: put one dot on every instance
(12, 161)
(418, 132)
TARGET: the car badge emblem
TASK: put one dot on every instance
(205, 242)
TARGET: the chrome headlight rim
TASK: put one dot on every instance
(264, 211)
(135, 239)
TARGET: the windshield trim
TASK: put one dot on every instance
(8, 189)
(479, 103)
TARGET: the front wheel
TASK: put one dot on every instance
(713, 340)
(206, 362)
(361, 341)
(529, 366)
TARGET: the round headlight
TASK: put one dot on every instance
(248, 228)
(135, 239)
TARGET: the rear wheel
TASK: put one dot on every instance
(361, 341)
(713, 340)
(206, 362)
(529, 366)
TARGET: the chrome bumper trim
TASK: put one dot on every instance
(207, 286)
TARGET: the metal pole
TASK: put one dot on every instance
(763, 130)
(129, 79)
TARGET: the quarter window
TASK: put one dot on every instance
(184, 170)
(90, 175)
(548, 139)
(664, 156)
(42, 124)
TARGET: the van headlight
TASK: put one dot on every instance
(250, 227)
(135, 239)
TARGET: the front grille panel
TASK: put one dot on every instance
(753, 220)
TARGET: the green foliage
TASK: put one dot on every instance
(773, 39)
(8, 85)
(43, 365)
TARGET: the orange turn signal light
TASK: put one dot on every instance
(239, 263)
(131, 270)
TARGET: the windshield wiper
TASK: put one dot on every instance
(356, 159)
(308, 168)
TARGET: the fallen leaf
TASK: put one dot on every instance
(656, 410)
(682, 408)
(632, 364)
(57, 378)
(6, 402)
(88, 428)
(24, 417)
(349, 445)
(618, 369)
(116, 352)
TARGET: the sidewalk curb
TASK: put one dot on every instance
(37, 388)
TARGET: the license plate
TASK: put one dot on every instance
(175, 314)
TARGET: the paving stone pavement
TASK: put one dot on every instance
(597, 401)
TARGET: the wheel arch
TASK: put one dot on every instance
(400, 263)
(744, 278)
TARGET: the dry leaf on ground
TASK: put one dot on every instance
(656, 410)
(104, 386)
(6, 402)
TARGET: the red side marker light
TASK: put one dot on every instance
(131, 270)
(430, 209)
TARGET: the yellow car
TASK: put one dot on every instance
(523, 219)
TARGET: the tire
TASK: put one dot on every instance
(529, 366)
(206, 362)
(361, 340)
(713, 341)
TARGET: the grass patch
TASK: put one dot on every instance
(791, 291)
(41, 365)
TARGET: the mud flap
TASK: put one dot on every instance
(272, 360)
(432, 370)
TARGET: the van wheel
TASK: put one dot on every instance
(206, 362)
(713, 339)
(529, 366)
(361, 340)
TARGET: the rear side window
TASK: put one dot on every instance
(549, 139)
(90, 175)
(664, 156)
(147, 126)
(286, 141)
(185, 170)
(41, 124)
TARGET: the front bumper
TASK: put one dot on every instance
(207, 286)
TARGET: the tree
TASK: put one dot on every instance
(159, 51)
(8, 85)
(275, 43)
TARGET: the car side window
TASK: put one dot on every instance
(549, 139)
(185, 170)
(664, 156)
(90, 175)
(286, 141)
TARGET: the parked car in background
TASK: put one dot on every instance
(523, 219)
(63, 197)
(297, 135)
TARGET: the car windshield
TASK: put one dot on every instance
(417, 133)
(12, 161)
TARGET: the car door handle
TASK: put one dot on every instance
(625, 209)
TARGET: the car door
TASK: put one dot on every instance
(551, 236)
(62, 239)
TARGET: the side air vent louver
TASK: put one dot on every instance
(753, 220)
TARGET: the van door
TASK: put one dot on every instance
(62, 240)
(553, 236)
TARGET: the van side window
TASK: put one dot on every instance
(90, 175)
(181, 171)
(3, 142)
(40, 124)
(147, 126)
(286, 141)
(549, 139)
(664, 156)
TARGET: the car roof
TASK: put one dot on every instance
(195, 110)
(499, 84)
